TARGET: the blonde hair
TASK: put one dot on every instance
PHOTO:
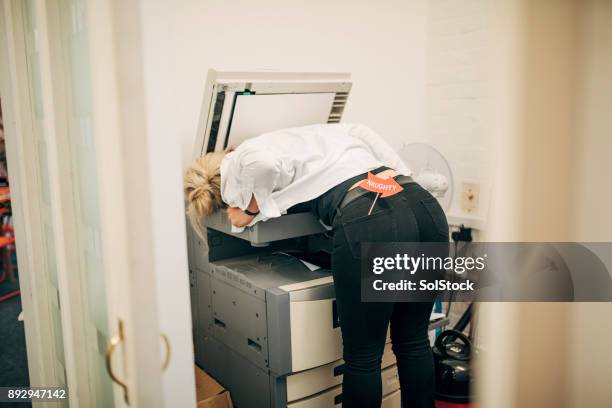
(202, 186)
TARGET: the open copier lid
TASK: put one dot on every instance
(240, 105)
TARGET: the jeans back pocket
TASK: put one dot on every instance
(377, 227)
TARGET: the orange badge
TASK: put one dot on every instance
(385, 187)
(382, 187)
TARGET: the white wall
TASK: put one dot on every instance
(383, 44)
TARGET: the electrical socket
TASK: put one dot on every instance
(470, 197)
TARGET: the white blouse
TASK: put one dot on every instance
(291, 166)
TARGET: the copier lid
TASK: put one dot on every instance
(240, 105)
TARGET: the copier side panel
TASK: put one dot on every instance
(239, 320)
(249, 384)
(203, 325)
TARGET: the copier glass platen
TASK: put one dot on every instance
(264, 316)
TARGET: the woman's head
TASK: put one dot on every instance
(202, 185)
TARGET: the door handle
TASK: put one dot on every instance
(166, 362)
(115, 341)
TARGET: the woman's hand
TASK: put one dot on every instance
(238, 218)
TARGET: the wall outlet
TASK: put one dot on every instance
(470, 197)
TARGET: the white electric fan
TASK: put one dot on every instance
(431, 170)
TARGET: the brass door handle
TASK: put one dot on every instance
(168, 352)
(115, 341)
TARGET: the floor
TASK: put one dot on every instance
(13, 358)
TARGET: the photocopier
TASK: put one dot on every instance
(264, 314)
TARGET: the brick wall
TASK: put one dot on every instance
(457, 92)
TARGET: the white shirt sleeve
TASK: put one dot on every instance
(379, 147)
(249, 172)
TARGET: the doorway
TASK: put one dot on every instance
(13, 355)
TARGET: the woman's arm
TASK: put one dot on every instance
(239, 218)
(248, 179)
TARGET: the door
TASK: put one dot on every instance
(77, 161)
(22, 97)
(87, 222)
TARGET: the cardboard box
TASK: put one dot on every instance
(209, 393)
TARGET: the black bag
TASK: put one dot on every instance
(452, 357)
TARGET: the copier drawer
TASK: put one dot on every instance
(317, 320)
(333, 396)
(315, 336)
(301, 385)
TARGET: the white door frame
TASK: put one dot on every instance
(28, 217)
(119, 106)
(14, 90)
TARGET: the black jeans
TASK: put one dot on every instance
(412, 215)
